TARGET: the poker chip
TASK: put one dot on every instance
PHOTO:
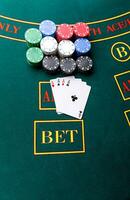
(66, 48)
(81, 29)
(67, 65)
(34, 55)
(33, 37)
(44, 41)
(49, 45)
(84, 63)
(47, 28)
(82, 46)
(50, 63)
(64, 32)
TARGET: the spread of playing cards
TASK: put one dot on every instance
(70, 95)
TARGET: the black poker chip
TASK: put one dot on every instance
(84, 63)
(67, 65)
(50, 63)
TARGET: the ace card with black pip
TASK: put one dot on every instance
(70, 95)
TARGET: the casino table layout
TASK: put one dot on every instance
(46, 156)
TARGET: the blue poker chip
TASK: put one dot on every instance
(82, 46)
(47, 28)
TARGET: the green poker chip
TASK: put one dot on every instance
(34, 55)
(33, 37)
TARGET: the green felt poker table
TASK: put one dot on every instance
(46, 156)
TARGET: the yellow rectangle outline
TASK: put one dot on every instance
(62, 152)
(39, 97)
(115, 76)
(125, 112)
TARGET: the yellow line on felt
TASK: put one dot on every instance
(93, 41)
(94, 22)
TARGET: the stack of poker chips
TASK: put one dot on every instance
(59, 48)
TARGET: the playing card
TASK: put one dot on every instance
(73, 100)
(55, 86)
(62, 89)
(66, 84)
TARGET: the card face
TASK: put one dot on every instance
(61, 81)
(73, 102)
(65, 84)
(70, 82)
(63, 90)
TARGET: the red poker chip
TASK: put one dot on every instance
(64, 32)
(81, 29)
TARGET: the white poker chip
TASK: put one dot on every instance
(66, 48)
(49, 45)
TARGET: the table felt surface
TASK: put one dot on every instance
(97, 165)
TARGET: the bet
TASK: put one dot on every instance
(59, 136)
